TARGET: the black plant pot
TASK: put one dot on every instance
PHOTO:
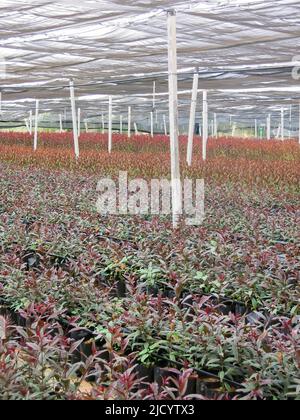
(77, 336)
(153, 291)
(31, 259)
(160, 374)
(225, 308)
(121, 288)
(4, 311)
(192, 386)
(253, 318)
(146, 374)
(19, 320)
(208, 387)
(86, 350)
(240, 309)
(169, 294)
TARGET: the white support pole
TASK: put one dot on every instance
(35, 142)
(278, 132)
(205, 126)
(282, 124)
(74, 120)
(110, 124)
(30, 122)
(136, 129)
(129, 122)
(60, 123)
(79, 122)
(0, 102)
(233, 129)
(152, 124)
(256, 130)
(154, 95)
(173, 110)
(166, 127)
(269, 127)
(86, 127)
(291, 120)
(192, 118)
(27, 125)
(103, 124)
(299, 124)
(121, 124)
(215, 125)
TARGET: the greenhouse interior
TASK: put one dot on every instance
(149, 202)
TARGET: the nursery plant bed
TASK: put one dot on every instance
(134, 282)
(156, 372)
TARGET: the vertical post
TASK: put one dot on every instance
(233, 129)
(0, 102)
(75, 132)
(103, 124)
(154, 105)
(291, 121)
(256, 130)
(30, 122)
(205, 126)
(129, 122)
(166, 128)
(152, 124)
(299, 123)
(35, 143)
(282, 124)
(269, 127)
(136, 129)
(173, 110)
(79, 122)
(86, 126)
(278, 131)
(121, 124)
(60, 123)
(215, 125)
(192, 118)
(27, 125)
(110, 124)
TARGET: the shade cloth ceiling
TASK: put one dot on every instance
(244, 52)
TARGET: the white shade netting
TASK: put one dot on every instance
(245, 52)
